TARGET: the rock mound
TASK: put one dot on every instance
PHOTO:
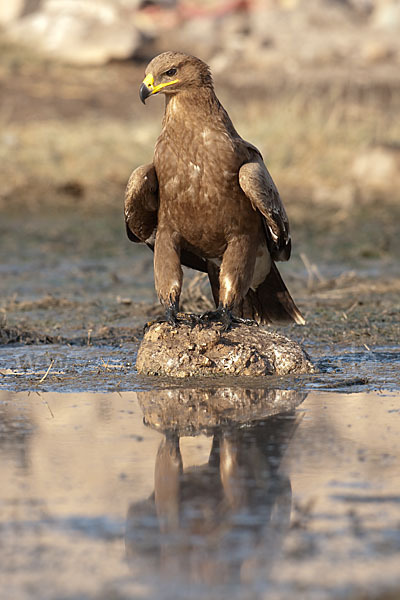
(245, 350)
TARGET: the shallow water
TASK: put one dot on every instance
(257, 503)
(107, 368)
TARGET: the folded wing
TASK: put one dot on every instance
(141, 204)
(257, 184)
(141, 209)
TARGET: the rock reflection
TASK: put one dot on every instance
(222, 521)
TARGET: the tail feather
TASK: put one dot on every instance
(271, 302)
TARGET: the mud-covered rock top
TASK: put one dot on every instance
(245, 350)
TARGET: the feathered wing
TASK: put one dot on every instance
(258, 185)
(141, 213)
(270, 301)
(141, 204)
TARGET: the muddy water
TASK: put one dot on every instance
(65, 368)
(273, 495)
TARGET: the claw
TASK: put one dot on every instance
(221, 315)
(194, 320)
(171, 317)
(224, 316)
(242, 321)
(149, 324)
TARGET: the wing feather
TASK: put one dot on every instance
(141, 213)
(258, 185)
(141, 203)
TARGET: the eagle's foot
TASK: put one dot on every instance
(242, 321)
(191, 320)
(171, 317)
(188, 319)
(224, 316)
(221, 315)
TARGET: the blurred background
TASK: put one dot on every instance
(313, 83)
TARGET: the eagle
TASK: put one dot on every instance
(207, 201)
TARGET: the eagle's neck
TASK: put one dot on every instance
(193, 106)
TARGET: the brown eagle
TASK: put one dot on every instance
(208, 202)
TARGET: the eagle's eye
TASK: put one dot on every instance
(170, 72)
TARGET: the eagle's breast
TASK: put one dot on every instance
(197, 164)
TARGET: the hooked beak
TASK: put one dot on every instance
(144, 92)
(148, 88)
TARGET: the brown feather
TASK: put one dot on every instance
(258, 185)
(213, 276)
(208, 195)
(141, 203)
(271, 302)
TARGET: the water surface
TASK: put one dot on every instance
(65, 368)
(191, 494)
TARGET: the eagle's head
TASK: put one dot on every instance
(172, 73)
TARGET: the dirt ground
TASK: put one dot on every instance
(69, 139)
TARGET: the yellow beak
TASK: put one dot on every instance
(148, 88)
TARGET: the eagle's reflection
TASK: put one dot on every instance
(222, 521)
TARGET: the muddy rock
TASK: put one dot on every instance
(246, 350)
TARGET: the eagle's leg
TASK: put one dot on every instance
(234, 281)
(168, 273)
